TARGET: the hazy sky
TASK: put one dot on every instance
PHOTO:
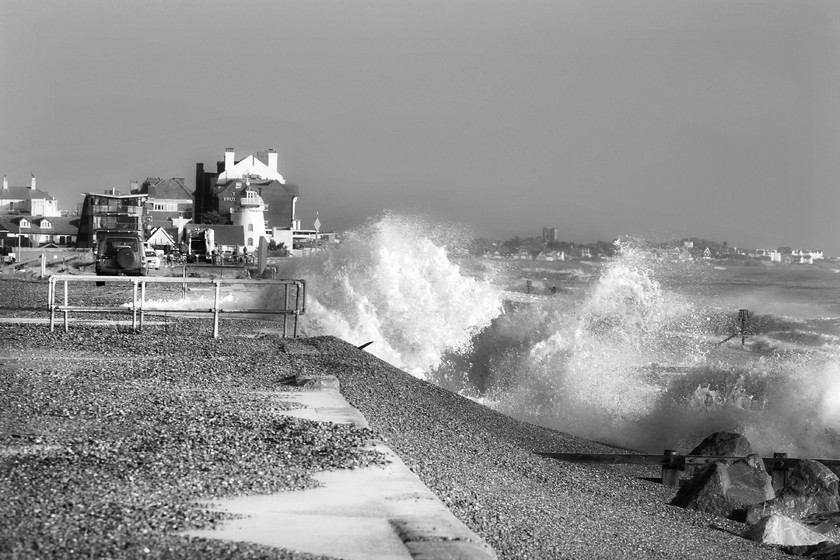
(667, 118)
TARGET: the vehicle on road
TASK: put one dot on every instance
(152, 260)
(200, 246)
(120, 253)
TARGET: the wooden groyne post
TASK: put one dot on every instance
(673, 464)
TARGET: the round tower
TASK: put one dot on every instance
(249, 213)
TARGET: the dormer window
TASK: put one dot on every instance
(24, 223)
(45, 224)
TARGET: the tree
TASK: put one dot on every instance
(564, 246)
(279, 247)
(212, 217)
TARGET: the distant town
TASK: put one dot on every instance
(245, 205)
(242, 204)
(548, 247)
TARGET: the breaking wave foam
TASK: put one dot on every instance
(618, 358)
(394, 282)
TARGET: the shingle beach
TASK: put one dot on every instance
(110, 440)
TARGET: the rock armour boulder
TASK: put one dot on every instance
(727, 489)
(780, 530)
(724, 444)
(810, 488)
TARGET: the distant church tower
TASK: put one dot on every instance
(249, 212)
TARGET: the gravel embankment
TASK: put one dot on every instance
(107, 438)
(483, 466)
(122, 431)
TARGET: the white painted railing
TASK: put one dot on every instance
(293, 299)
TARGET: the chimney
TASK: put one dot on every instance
(272, 159)
(229, 159)
(32, 185)
(5, 183)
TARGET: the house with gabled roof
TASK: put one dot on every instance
(37, 231)
(263, 165)
(166, 200)
(60, 231)
(27, 200)
(159, 238)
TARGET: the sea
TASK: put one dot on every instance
(636, 350)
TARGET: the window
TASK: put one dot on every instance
(164, 206)
(250, 227)
(24, 223)
(45, 224)
(250, 242)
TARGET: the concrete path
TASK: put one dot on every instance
(375, 513)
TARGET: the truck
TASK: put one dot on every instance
(200, 245)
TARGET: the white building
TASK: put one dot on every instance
(27, 200)
(249, 214)
(251, 166)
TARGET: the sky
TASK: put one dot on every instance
(655, 118)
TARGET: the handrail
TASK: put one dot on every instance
(294, 299)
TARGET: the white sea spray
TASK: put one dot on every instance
(639, 365)
(395, 282)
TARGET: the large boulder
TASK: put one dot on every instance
(780, 530)
(721, 444)
(724, 444)
(726, 490)
(810, 477)
(824, 523)
(825, 550)
(810, 487)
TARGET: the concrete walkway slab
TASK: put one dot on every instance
(364, 514)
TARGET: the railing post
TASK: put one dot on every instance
(297, 308)
(134, 306)
(216, 311)
(51, 303)
(142, 299)
(670, 471)
(779, 471)
(66, 311)
(285, 308)
(301, 284)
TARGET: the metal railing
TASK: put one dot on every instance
(294, 299)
